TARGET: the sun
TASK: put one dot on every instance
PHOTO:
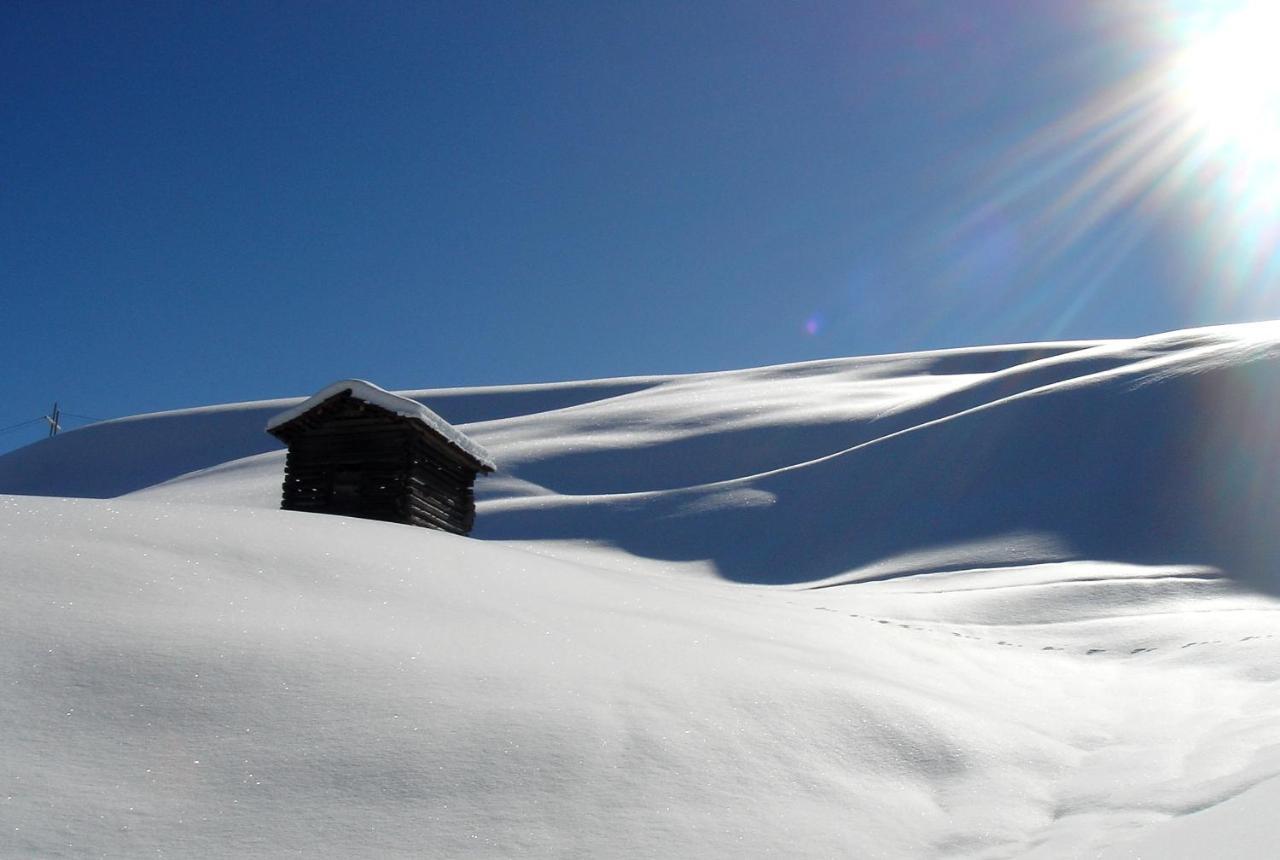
(1184, 140)
(1228, 76)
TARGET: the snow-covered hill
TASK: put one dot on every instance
(998, 602)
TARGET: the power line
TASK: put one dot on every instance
(22, 424)
(54, 419)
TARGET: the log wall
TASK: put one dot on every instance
(358, 460)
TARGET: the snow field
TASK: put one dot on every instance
(227, 682)
(1000, 602)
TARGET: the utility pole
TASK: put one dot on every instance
(53, 419)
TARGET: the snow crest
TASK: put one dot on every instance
(1002, 602)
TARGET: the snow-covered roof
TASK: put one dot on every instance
(367, 392)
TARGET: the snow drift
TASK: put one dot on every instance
(1008, 601)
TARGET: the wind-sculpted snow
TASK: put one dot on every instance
(1152, 454)
(1029, 610)
(205, 681)
(112, 458)
(1157, 450)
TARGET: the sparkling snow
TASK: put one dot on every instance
(999, 602)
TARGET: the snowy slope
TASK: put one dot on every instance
(998, 602)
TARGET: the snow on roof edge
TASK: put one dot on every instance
(367, 392)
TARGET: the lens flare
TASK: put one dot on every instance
(1228, 75)
(1225, 82)
(1191, 139)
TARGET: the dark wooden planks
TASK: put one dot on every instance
(352, 458)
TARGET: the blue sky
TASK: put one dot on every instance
(213, 202)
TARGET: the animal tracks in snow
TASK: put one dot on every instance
(1005, 643)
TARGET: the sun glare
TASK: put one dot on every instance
(1191, 138)
(1229, 76)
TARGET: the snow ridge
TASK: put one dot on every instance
(1003, 602)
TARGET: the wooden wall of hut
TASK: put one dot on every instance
(350, 458)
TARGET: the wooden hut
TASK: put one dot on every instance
(360, 451)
